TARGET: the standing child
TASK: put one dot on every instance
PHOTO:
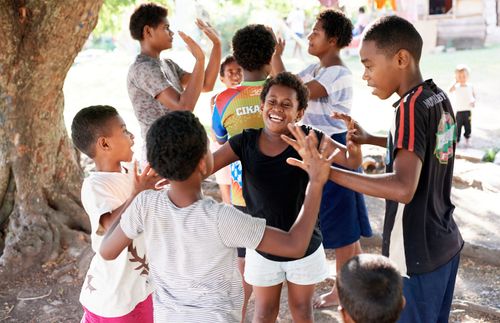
(343, 215)
(113, 291)
(464, 100)
(420, 235)
(274, 190)
(231, 75)
(191, 239)
(370, 290)
(156, 86)
(237, 109)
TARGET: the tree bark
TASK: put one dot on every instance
(40, 177)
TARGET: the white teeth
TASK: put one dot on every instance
(275, 117)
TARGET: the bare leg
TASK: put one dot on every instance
(247, 289)
(267, 303)
(300, 302)
(342, 254)
(225, 193)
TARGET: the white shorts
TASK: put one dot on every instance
(263, 272)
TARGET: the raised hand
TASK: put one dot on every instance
(355, 133)
(208, 30)
(313, 162)
(146, 180)
(192, 46)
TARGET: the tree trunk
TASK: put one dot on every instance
(40, 177)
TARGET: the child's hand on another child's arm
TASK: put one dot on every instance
(358, 135)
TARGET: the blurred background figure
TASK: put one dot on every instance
(296, 21)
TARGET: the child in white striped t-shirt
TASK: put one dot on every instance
(191, 240)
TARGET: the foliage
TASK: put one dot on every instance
(490, 154)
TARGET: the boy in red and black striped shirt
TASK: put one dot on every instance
(419, 235)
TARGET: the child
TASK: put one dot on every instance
(237, 108)
(156, 86)
(191, 239)
(274, 190)
(231, 75)
(118, 290)
(464, 100)
(420, 235)
(370, 290)
(343, 215)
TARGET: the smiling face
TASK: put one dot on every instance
(280, 108)
(381, 72)
(233, 74)
(319, 42)
(119, 140)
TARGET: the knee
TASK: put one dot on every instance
(302, 311)
(265, 313)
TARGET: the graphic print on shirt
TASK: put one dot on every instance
(446, 136)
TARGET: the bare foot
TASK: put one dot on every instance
(327, 300)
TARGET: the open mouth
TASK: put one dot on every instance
(275, 118)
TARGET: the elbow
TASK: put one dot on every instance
(105, 254)
(298, 250)
(405, 196)
(208, 88)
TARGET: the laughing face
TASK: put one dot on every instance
(381, 72)
(280, 108)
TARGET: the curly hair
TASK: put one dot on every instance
(371, 289)
(89, 124)
(253, 47)
(148, 14)
(228, 60)
(291, 81)
(336, 25)
(175, 144)
(393, 33)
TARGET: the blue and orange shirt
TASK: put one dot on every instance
(235, 110)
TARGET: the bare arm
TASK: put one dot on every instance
(223, 157)
(212, 70)
(187, 99)
(400, 185)
(357, 134)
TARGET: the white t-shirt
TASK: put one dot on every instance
(337, 81)
(112, 288)
(462, 97)
(192, 255)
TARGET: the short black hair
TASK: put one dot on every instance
(175, 144)
(371, 289)
(148, 14)
(289, 80)
(393, 33)
(253, 47)
(228, 60)
(361, 10)
(89, 124)
(336, 25)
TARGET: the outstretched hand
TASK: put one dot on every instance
(356, 135)
(208, 30)
(313, 162)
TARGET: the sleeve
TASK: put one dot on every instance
(238, 229)
(178, 70)
(98, 199)
(305, 74)
(338, 85)
(236, 144)
(149, 77)
(411, 125)
(217, 126)
(131, 220)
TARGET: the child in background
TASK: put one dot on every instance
(231, 75)
(113, 291)
(464, 100)
(157, 86)
(370, 290)
(343, 215)
(274, 190)
(191, 239)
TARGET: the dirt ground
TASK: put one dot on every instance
(51, 295)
